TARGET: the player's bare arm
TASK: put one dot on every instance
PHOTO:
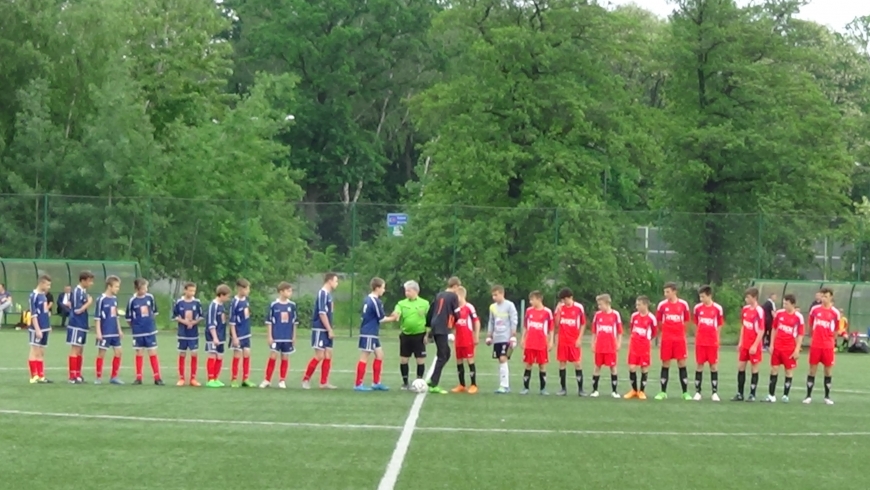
(580, 335)
(98, 329)
(797, 348)
(759, 335)
(593, 343)
(37, 332)
(233, 336)
(214, 337)
(269, 339)
(477, 332)
(324, 319)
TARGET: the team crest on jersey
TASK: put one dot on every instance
(113, 312)
(285, 317)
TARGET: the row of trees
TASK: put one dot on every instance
(526, 140)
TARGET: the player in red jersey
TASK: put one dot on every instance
(606, 341)
(537, 341)
(571, 322)
(787, 334)
(749, 349)
(467, 336)
(709, 318)
(823, 323)
(643, 329)
(672, 315)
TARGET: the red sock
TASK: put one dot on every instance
(246, 368)
(376, 371)
(270, 368)
(139, 362)
(116, 366)
(209, 368)
(32, 365)
(309, 371)
(80, 362)
(71, 364)
(360, 373)
(235, 370)
(40, 368)
(218, 365)
(324, 371)
(155, 366)
(194, 365)
(99, 367)
(285, 366)
(181, 362)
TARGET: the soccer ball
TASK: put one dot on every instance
(419, 386)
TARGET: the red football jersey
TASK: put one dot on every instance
(643, 329)
(753, 325)
(569, 320)
(709, 319)
(538, 325)
(824, 323)
(788, 327)
(607, 327)
(465, 326)
(672, 318)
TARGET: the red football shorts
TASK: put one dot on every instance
(608, 360)
(743, 355)
(567, 353)
(780, 357)
(535, 356)
(638, 358)
(706, 354)
(464, 351)
(818, 355)
(674, 349)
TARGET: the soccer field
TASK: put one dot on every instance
(129, 437)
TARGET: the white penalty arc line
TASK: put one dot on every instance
(393, 428)
(394, 467)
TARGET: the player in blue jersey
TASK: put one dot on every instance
(108, 330)
(141, 310)
(240, 333)
(216, 335)
(369, 341)
(77, 330)
(322, 333)
(187, 312)
(281, 321)
(39, 329)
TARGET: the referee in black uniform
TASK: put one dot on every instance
(440, 319)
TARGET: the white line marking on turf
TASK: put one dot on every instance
(394, 467)
(266, 423)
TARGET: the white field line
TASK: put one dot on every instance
(168, 420)
(394, 467)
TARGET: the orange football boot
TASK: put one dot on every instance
(458, 389)
(631, 394)
(194, 382)
(641, 395)
(472, 389)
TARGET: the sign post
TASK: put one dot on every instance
(396, 223)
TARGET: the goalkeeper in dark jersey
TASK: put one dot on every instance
(440, 320)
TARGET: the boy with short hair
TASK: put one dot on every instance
(38, 330)
(749, 350)
(467, 336)
(281, 323)
(240, 333)
(643, 329)
(672, 315)
(501, 333)
(140, 314)
(188, 313)
(709, 317)
(108, 330)
(369, 337)
(787, 335)
(322, 333)
(216, 335)
(77, 330)
(570, 320)
(606, 342)
(537, 341)
(411, 313)
(823, 322)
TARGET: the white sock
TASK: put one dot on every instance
(504, 375)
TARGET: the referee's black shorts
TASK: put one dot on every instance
(412, 345)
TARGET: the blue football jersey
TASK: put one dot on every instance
(240, 316)
(282, 317)
(78, 300)
(141, 311)
(372, 314)
(107, 315)
(39, 311)
(217, 321)
(187, 310)
(323, 304)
